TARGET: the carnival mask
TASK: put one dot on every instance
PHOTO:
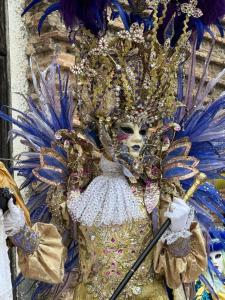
(217, 260)
(132, 136)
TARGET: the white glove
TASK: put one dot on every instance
(14, 219)
(178, 214)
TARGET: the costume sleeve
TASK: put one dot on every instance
(185, 259)
(41, 253)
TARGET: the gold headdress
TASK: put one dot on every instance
(129, 75)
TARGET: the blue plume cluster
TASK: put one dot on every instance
(205, 130)
(37, 129)
(38, 126)
(92, 14)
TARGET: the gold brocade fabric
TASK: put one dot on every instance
(152, 291)
(47, 262)
(106, 255)
(182, 269)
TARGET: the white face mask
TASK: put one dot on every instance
(217, 260)
(132, 136)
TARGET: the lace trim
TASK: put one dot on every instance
(169, 237)
(108, 200)
(26, 239)
(13, 222)
(180, 248)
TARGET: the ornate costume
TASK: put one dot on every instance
(125, 165)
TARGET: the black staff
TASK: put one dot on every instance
(200, 179)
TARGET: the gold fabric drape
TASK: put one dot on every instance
(182, 269)
(106, 253)
(47, 262)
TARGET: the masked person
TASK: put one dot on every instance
(127, 164)
(214, 277)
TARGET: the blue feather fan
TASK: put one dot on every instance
(44, 164)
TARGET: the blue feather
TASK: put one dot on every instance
(200, 30)
(41, 214)
(39, 113)
(30, 6)
(204, 220)
(220, 27)
(72, 258)
(19, 279)
(61, 151)
(175, 153)
(123, 14)
(52, 175)
(27, 128)
(37, 199)
(205, 131)
(37, 128)
(177, 172)
(92, 136)
(42, 287)
(47, 12)
(208, 197)
(52, 161)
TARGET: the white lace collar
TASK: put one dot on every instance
(108, 200)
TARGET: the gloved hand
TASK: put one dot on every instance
(14, 219)
(178, 213)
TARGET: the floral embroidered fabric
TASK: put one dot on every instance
(26, 239)
(106, 255)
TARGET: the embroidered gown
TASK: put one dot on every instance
(107, 250)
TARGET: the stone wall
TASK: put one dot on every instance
(54, 38)
(16, 44)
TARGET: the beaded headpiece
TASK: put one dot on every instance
(130, 75)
